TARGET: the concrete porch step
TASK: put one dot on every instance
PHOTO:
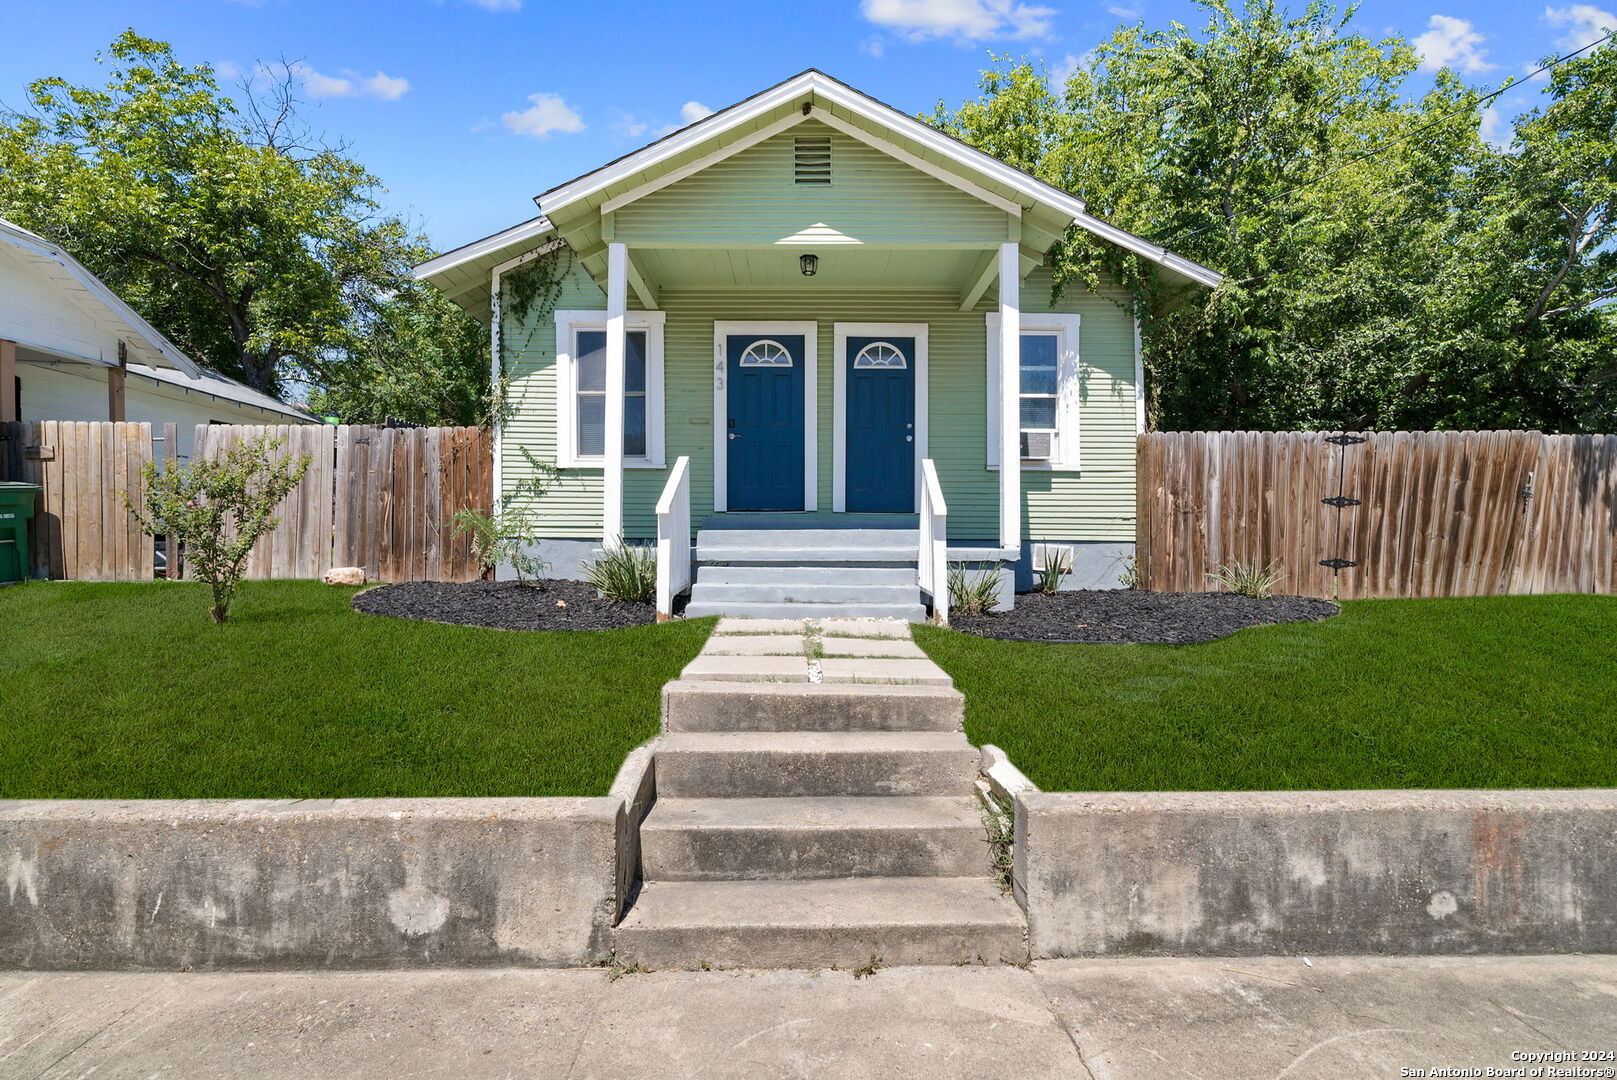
(708, 706)
(789, 589)
(807, 575)
(737, 764)
(796, 838)
(910, 612)
(842, 922)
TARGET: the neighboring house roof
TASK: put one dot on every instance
(208, 381)
(1046, 211)
(99, 303)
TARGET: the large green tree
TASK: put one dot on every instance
(1386, 266)
(256, 248)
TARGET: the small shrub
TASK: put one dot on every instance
(1130, 577)
(218, 508)
(501, 537)
(624, 573)
(973, 593)
(1251, 580)
(1057, 565)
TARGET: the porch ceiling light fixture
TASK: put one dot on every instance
(809, 263)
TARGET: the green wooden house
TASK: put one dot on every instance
(831, 332)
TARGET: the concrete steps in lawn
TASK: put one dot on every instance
(784, 764)
(745, 839)
(834, 922)
(723, 706)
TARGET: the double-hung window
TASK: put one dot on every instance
(1047, 391)
(581, 389)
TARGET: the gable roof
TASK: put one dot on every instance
(463, 272)
(100, 304)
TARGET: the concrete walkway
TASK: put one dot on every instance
(814, 650)
(1206, 1019)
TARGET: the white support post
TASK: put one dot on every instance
(1009, 404)
(617, 303)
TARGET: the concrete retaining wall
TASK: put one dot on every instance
(343, 883)
(1222, 873)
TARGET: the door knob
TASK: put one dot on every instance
(909, 438)
(733, 435)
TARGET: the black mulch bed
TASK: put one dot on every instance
(1131, 616)
(504, 605)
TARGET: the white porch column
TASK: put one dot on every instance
(617, 302)
(1009, 403)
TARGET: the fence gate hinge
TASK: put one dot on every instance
(39, 453)
(1338, 564)
(1340, 501)
(1346, 440)
(362, 442)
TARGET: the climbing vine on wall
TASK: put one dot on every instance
(532, 288)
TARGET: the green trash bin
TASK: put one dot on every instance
(16, 507)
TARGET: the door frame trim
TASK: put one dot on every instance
(841, 332)
(722, 329)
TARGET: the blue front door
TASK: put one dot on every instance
(880, 425)
(765, 435)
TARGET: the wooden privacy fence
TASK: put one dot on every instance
(381, 498)
(80, 528)
(1441, 513)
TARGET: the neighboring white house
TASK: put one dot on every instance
(70, 349)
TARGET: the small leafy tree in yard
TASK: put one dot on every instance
(973, 594)
(624, 573)
(1250, 580)
(218, 508)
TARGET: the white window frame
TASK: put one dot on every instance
(841, 332)
(568, 324)
(1068, 388)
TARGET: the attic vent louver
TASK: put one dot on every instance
(812, 159)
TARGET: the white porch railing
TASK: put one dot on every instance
(933, 565)
(674, 538)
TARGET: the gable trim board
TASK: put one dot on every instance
(840, 333)
(809, 331)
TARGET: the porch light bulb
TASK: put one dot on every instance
(809, 263)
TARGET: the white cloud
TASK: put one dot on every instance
(1123, 12)
(874, 45)
(692, 111)
(629, 126)
(497, 5)
(546, 113)
(1065, 69)
(380, 86)
(1451, 43)
(964, 20)
(1584, 23)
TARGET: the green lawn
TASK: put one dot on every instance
(1491, 692)
(128, 691)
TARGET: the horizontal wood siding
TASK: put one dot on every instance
(753, 198)
(1438, 513)
(1094, 503)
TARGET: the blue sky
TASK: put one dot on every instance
(468, 108)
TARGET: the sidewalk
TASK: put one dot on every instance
(1206, 1019)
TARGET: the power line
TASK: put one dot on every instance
(1445, 118)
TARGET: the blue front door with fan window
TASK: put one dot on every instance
(880, 425)
(764, 439)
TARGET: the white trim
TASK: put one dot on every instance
(768, 131)
(496, 369)
(722, 330)
(1070, 375)
(1006, 403)
(568, 322)
(478, 248)
(854, 131)
(841, 332)
(1139, 382)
